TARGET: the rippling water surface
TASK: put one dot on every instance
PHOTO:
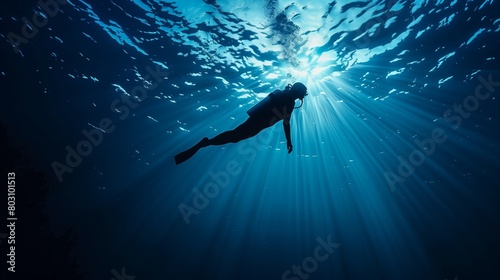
(395, 157)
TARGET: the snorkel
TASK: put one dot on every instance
(301, 103)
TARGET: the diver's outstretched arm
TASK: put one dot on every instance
(286, 127)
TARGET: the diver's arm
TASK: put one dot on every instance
(286, 127)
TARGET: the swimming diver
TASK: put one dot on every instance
(278, 105)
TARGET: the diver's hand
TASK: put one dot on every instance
(289, 146)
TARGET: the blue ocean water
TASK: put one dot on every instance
(393, 174)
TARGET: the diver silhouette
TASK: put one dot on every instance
(277, 106)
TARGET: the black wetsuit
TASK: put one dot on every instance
(280, 108)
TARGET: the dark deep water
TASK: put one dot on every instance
(395, 168)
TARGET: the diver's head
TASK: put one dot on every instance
(299, 90)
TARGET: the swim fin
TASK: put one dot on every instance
(187, 154)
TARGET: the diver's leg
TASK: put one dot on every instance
(245, 130)
(187, 154)
(229, 136)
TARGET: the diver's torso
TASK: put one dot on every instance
(279, 105)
